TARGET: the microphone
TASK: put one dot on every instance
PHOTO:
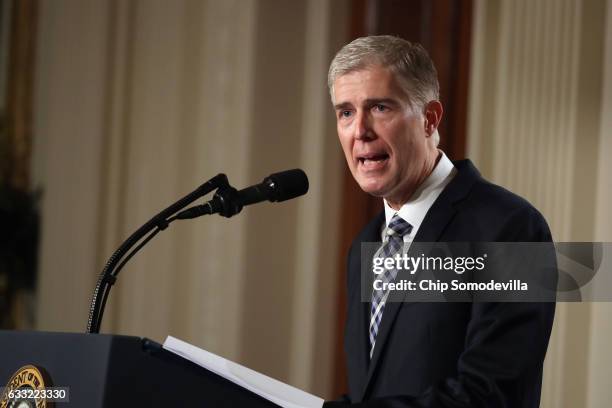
(276, 187)
(228, 202)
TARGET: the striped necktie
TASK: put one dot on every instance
(395, 231)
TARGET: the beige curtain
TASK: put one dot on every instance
(539, 124)
(137, 103)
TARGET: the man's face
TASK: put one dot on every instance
(386, 143)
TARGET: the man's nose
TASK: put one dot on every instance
(362, 126)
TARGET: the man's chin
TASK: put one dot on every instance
(374, 189)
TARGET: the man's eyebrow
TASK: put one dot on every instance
(342, 105)
(368, 102)
(383, 101)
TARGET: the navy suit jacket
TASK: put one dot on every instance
(452, 354)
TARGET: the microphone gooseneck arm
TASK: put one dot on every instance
(158, 223)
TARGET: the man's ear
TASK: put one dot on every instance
(433, 115)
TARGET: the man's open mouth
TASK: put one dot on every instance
(373, 159)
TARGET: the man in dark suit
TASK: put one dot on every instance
(422, 354)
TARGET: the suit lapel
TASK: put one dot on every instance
(437, 218)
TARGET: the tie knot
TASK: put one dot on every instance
(398, 226)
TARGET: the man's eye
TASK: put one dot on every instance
(380, 108)
(345, 113)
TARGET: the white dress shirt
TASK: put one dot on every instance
(418, 205)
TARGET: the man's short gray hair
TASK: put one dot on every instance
(410, 62)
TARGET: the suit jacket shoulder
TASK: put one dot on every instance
(486, 211)
(472, 209)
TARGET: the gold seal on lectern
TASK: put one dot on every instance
(25, 389)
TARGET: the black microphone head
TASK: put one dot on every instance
(286, 185)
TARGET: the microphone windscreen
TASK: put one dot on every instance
(287, 184)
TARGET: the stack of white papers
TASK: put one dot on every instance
(273, 390)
